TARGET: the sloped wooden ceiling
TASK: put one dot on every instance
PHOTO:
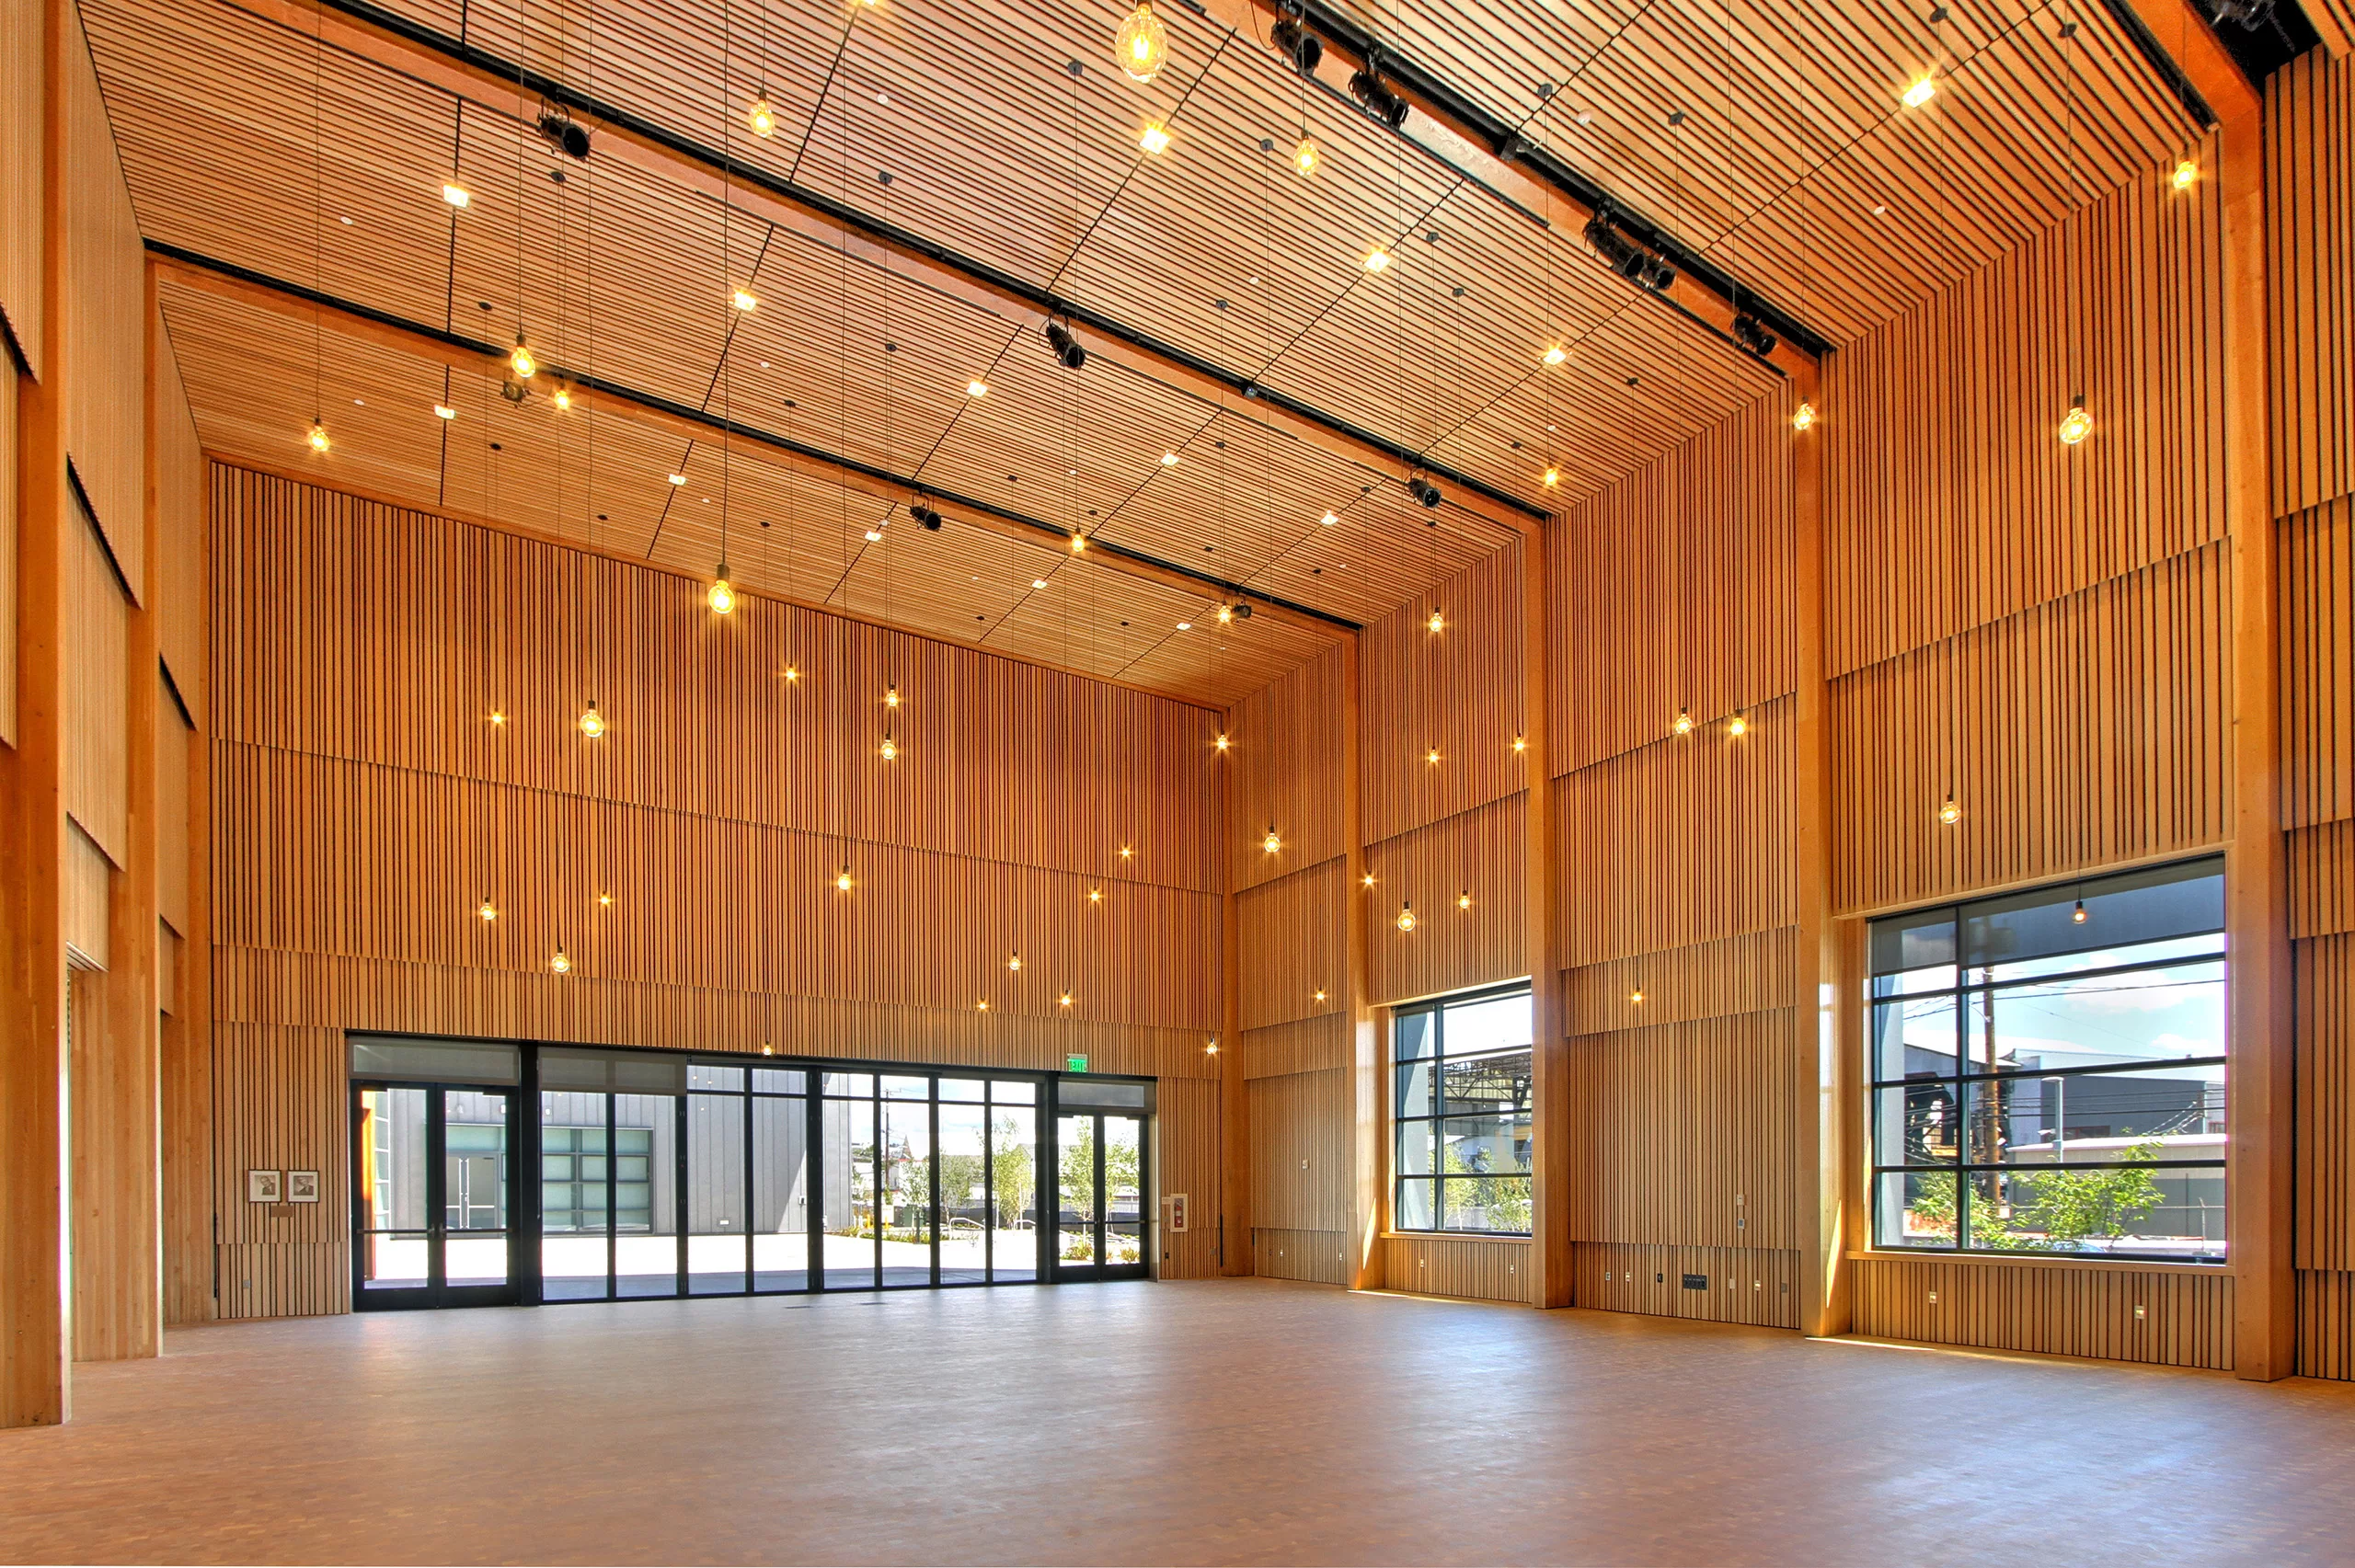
(1768, 139)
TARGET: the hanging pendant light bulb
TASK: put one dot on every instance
(1271, 843)
(1155, 139)
(488, 911)
(2075, 425)
(891, 695)
(1803, 416)
(842, 880)
(762, 117)
(1319, 996)
(1220, 743)
(522, 362)
(1437, 623)
(561, 398)
(1307, 155)
(1520, 744)
(1552, 478)
(319, 436)
(561, 963)
(1922, 91)
(1078, 543)
(1063, 1001)
(721, 596)
(1949, 813)
(1463, 900)
(2077, 915)
(889, 749)
(744, 300)
(1636, 996)
(1014, 962)
(1683, 724)
(1226, 615)
(1737, 726)
(2185, 176)
(1096, 895)
(1556, 354)
(1143, 44)
(592, 723)
(1406, 917)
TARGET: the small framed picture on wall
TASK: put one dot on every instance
(263, 1186)
(302, 1186)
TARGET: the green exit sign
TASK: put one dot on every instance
(1076, 1064)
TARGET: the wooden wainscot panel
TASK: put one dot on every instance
(2167, 1318)
(1723, 1284)
(1316, 1256)
(1472, 1267)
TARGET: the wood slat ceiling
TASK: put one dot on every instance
(1217, 246)
(603, 482)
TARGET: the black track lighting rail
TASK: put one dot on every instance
(1050, 533)
(562, 96)
(1505, 140)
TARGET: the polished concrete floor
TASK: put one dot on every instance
(1242, 1422)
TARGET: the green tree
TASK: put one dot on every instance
(2051, 1210)
(1014, 1171)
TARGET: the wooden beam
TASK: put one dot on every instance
(1441, 134)
(1551, 1274)
(1233, 1088)
(2256, 912)
(475, 76)
(686, 424)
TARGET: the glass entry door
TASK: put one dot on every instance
(1101, 1190)
(432, 1172)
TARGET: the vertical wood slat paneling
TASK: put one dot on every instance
(2324, 1013)
(2310, 269)
(1292, 947)
(357, 630)
(364, 804)
(1312, 1256)
(86, 876)
(22, 229)
(1287, 741)
(1456, 691)
(2318, 554)
(1948, 503)
(1471, 1267)
(2094, 731)
(1672, 590)
(1300, 1174)
(2326, 1324)
(1687, 1134)
(360, 861)
(105, 320)
(96, 780)
(1737, 1285)
(174, 744)
(1682, 842)
(1482, 853)
(180, 568)
(1308, 1045)
(1186, 1128)
(1753, 972)
(2186, 1318)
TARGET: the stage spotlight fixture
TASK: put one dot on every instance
(1624, 256)
(1068, 348)
(565, 133)
(1424, 491)
(1295, 43)
(925, 515)
(1753, 335)
(1375, 95)
(1242, 612)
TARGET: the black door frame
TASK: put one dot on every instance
(1098, 1269)
(436, 1291)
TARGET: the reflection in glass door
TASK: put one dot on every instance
(430, 1196)
(1100, 1183)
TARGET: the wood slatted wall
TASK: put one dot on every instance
(22, 217)
(106, 322)
(2169, 1319)
(2310, 124)
(365, 804)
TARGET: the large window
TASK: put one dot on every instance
(2048, 1070)
(1460, 1114)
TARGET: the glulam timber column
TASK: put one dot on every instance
(1236, 1251)
(1550, 1208)
(1825, 1049)
(2263, 1052)
(1368, 1056)
(34, 1344)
